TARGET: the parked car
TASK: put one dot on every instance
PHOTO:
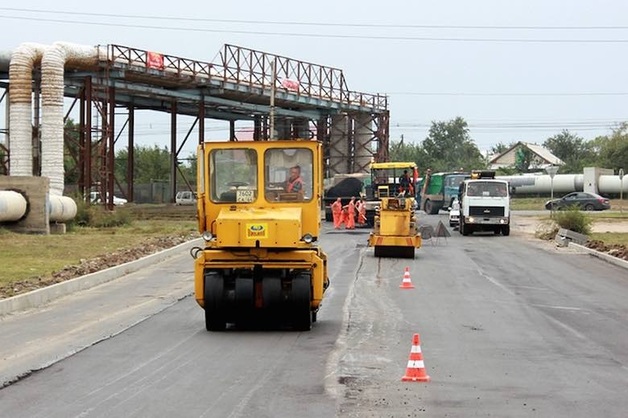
(454, 213)
(94, 197)
(185, 198)
(581, 200)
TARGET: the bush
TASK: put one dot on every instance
(97, 216)
(574, 220)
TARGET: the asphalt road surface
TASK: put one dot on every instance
(509, 327)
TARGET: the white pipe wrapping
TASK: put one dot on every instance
(23, 59)
(53, 65)
(612, 184)
(61, 209)
(12, 206)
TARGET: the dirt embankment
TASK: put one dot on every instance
(530, 225)
(92, 265)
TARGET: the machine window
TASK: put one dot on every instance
(234, 175)
(289, 174)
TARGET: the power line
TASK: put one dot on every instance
(506, 94)
(323, 24)
(324, 35)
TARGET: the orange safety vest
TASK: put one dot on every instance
(292, 183)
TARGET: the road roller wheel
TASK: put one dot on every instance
(301, 298)
(214, 302)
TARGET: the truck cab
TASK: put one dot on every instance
(484, 204)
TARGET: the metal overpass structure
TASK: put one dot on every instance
(281, 97)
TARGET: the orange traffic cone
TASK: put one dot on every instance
(407, 282)
(415, 371)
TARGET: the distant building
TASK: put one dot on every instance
(541, 157)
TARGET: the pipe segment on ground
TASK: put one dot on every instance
(12, 206)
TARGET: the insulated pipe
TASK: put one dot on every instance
(23, 59)
(12, 206)
(612, 184)
(52, 85)
(61, 208)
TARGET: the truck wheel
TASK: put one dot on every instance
(214, 302)
(431, 208)
(464, 228)
(506, 230)
(435, 208)
(301, 299)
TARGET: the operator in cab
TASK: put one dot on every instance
(294, 184)
(405, 184)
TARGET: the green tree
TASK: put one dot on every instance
(575, 152)
(71, 151)
(449, 146)
(523, 159)
(151, 163)
(612, 151)
(500, 148)
(400, 151)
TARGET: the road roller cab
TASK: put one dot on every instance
(395, 233)
(259, 214)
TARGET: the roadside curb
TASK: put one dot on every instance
(39, 297)
(602, 256)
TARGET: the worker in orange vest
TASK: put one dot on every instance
(336, 211)
(361, 207)
(351, 214)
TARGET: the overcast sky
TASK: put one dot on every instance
(514, 70)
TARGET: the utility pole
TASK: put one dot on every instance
(273, 88)
(551, 170)
(621, 190)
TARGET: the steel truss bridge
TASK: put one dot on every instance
(296, 99)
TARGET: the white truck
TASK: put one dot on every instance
(484, 204)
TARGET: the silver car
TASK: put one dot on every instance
(454, 214)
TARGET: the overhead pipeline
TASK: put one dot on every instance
(23, 60)
(53, 64)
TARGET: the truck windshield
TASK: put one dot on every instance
(233, 175)
(485, 188)
(288, 174)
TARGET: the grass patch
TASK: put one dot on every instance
(610, 238)
(528, 203)
(25, 257)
